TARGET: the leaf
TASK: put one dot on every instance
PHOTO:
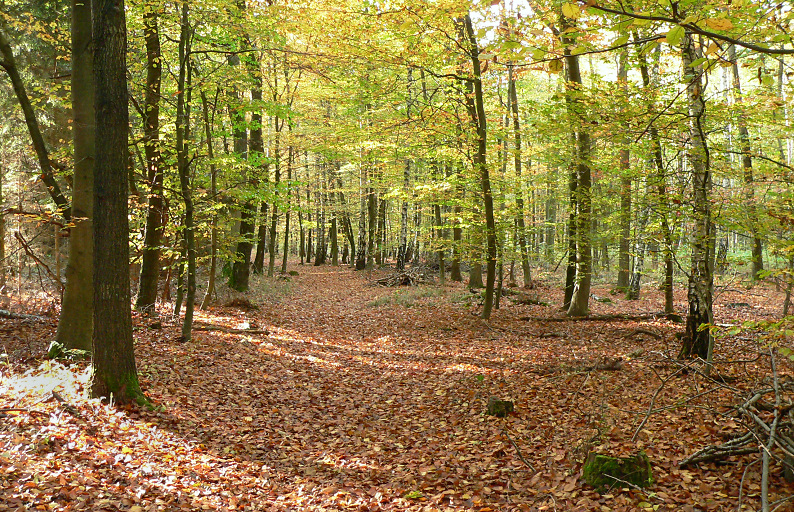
(675, 35)
(555, 66)
(719, 24)
(571, 10)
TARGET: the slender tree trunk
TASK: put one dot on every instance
(372, 223)
(213, 193)
(183, 165)
(76, 319)
(662, 201)
(155, 210)
(3, 237)
(115, 373)
(479, 120)
(698, 340)
(519, 215)
(271, 265)
(261, 237)
(625, 195)
(287, 210)
(240, 267)
(457, 238)
(8, 63)
(747, 166)
(361, 254)
(442, 271)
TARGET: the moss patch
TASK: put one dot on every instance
(604, 472)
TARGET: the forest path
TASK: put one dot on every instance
(369, 398)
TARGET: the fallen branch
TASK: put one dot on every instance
(230, 330)
(20, 316)
(518, 450)
(28, 411)
(66, 405)
(606, 318)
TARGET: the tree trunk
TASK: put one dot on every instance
(115, 373)
(271, 265)
(240, 267)
(747, 166)
(580, 297)
(625, 195)
(9, 64)
(287, 211)
(698, 340)
(261, 239)
(361, 254)
(183, 167)
(155, 210)
(213, 193)
(475, 276)
(76, 319)
(479, 120)
(519, 214)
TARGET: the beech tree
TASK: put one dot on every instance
(115, 372)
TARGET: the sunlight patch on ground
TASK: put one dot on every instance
(36, 384)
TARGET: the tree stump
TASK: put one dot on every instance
(499, 408)
(604, 472)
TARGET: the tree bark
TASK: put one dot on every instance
(115, 372)
(519, 215)
(287, 210)
(747, 167)
(155, 211)
(479, 120)
(183, 166)
(580, 295)
(213, 193)
(698, 340)
(624, 259)
(76, 319)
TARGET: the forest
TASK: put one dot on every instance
(514, 255)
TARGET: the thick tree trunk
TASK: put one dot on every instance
(240, 267)
(155, 210)
(8, 63)
(580, 295)
(698, 340)
(76, 319)
(115, 373)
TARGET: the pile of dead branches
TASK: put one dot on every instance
(408, 277)
(768, 416)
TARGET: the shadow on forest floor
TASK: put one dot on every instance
(355, 401)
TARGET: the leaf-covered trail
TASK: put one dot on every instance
(367, 398)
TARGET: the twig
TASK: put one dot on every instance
(30, 253)
(518, 450)
(741, 483)
(29, 411)
(66, 405)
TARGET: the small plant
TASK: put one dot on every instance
(414, 495)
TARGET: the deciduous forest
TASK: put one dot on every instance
(508, 255)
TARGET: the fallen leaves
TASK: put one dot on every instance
(338, 404)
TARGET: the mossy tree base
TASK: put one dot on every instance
(604, 472)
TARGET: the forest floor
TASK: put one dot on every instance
(343, 395)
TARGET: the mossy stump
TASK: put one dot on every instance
(604, 472)
(499, 408)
